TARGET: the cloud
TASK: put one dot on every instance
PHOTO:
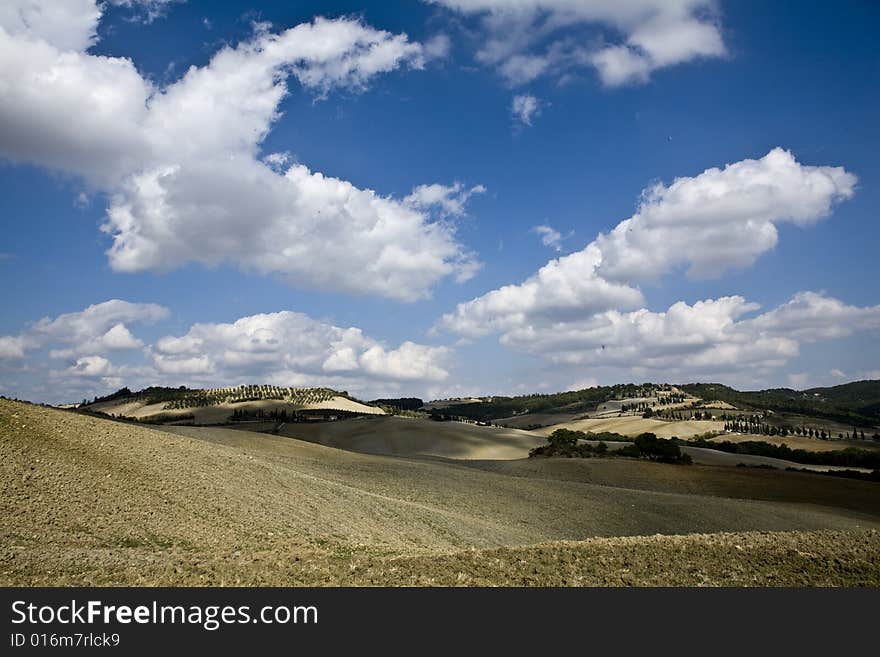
(181, 163)
(549, 237)
(437, 47)
(837, 374)
(450, 200)
(146, 11)
(583, 384)
(70, 25)
(720, 219)
(524, 108)
(93, 351)
(564, 289)
(313, 230)
(14, 347)
(585, 309)
(98, 329)
(713, 335)
(408, 362)
(527, 39)
(270, 346)
(91, 367)
(812, 316)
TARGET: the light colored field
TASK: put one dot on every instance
(400, 436)
(220, 413)
(634, 425)
(800, 442)
(91, 501)
(723, 405)
(606, 409)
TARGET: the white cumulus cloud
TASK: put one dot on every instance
(93, 351)
(722, 218)
(100, 328)
(182, 163)
(586, 309)
(713, 335)
(273, 345)
(719, 219)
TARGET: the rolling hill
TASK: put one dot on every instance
(223, 405)
(87, 500)
(856, 403)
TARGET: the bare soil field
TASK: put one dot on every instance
(740, 559)
(401, 436)
(91, 501)
(634, 425)
(715, 480)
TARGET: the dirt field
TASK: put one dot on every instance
(90, 501)
(634, 425)
(400, 436)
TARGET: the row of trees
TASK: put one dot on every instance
(250, 393)
(749, 425)
(679, 415)
(240, 414)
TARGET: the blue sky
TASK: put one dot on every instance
(154, 120)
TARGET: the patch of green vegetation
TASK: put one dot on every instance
(400, 403)
(567, 443)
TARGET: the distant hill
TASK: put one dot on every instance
(851, 403)
(221, 405)
(569, 402)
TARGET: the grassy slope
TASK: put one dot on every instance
(86, 500)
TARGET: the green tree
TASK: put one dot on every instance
(564, 438)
